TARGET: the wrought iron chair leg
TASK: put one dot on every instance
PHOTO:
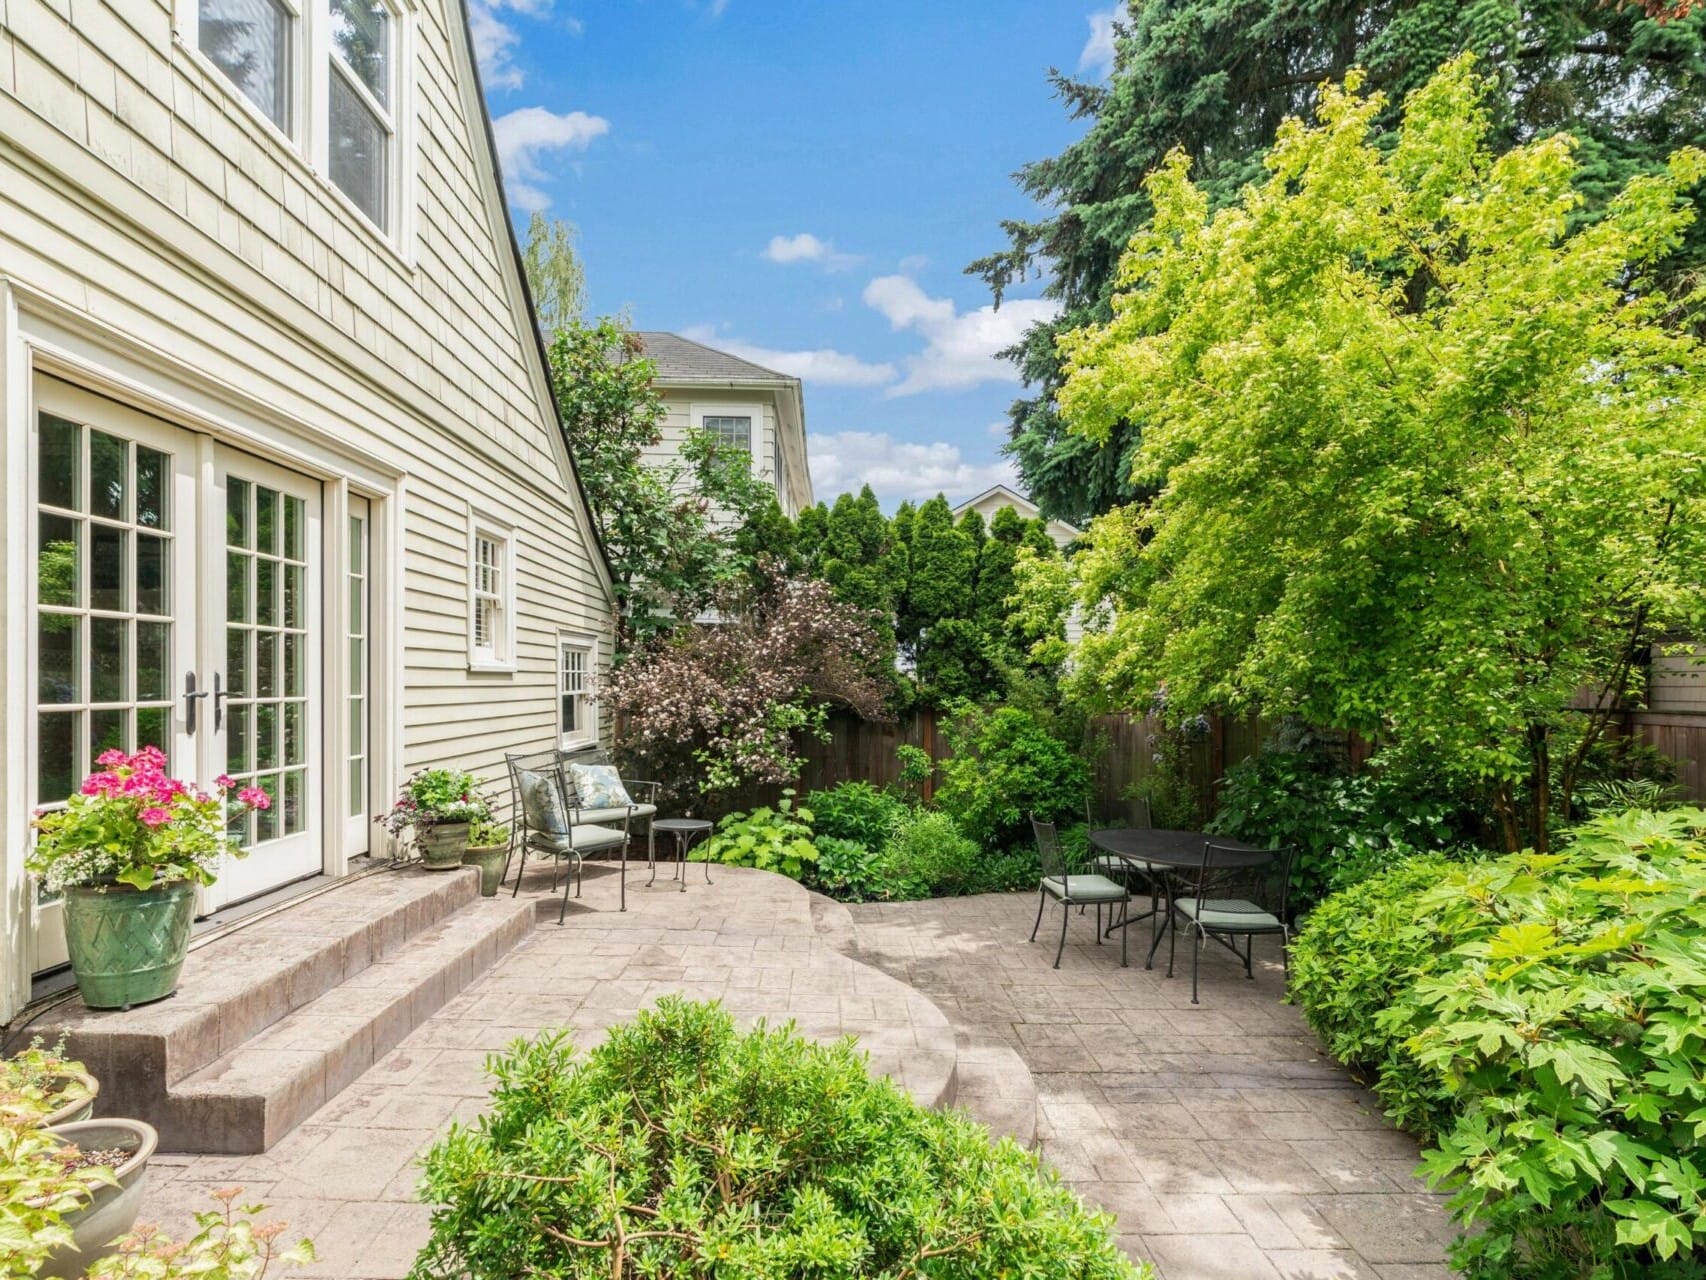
(1065, 916)
(1249, 954)
(1098, 923)
(1042, 901)
(519, 872)
(563, 909)
(1125, 910)
(1196, 963)
(1172, 938)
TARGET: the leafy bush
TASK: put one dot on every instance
(927, 856)
(778, 839)
(1005, 765)
(1561, 1005)
(856, 811)
(681, 1148)
(229, 1244)
(37, 1190)
(1345, 826)
(846, 870)
(1360, 949)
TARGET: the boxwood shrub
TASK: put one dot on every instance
(681, 1148)
(1560, 1001)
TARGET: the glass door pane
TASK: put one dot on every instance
(358, 698)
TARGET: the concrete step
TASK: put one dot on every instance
(251, 1097)
(238, 984)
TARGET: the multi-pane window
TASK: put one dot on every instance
(251, 42)
(490, 589)
(356, 577)
(576, 721)
(729, 431)
(104, 609)
(359, 106)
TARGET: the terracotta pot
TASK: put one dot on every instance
(112, 1210)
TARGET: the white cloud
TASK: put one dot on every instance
(961, 348)
(495, 39)
(806, 247)
(913, 263)
(824, 366)
(899, 470)
(523, 134)
(1098, 54)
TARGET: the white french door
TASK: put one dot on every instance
(178, 588)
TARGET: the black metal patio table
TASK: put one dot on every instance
(1172, 851)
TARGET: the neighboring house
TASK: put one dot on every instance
(744, 405)
(991, 500)
(276, 426)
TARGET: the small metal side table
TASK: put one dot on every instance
(686, 832)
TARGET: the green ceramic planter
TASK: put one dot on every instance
(127, 945)
(490, 860)
(442, 845)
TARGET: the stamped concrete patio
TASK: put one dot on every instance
(1227, 1146)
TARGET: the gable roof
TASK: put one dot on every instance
(681, 359)
(1009, 497)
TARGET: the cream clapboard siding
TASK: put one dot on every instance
(139, 192)
(678, 421)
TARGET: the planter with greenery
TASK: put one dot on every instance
(681, 1147)
(127, 853)
(488, 849)
(437, 807)
(42, 1086)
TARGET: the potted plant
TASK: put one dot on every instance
(437, 805)
(40, 1189)
(127, 852)
(41, 1086)
(488, 849)
(122, 1147)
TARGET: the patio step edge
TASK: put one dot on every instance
(237, 986)
(249, 1098)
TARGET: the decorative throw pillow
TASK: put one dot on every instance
(599, 786)
(542, 802)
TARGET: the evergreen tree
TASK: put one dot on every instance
(1215, 77)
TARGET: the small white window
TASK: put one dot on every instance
(491, 600)
(577, 721)
(730, 431)
(251, 42)
(359, 104)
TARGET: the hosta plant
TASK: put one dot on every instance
(682, 1148)
(771, 839)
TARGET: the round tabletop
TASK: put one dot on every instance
(682, 824)
(1177, 848)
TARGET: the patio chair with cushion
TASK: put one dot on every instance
(1228, 902)
(604, 797)
(547, 822)
(1071, 888)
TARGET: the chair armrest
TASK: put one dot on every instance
(652, 788)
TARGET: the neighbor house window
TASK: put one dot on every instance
(491, 600)
(359, 104)
(251, 42)
(729, 432)
(576, 720)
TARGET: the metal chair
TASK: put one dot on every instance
(1073, 888)
(1226, 904)
(545, 820)
(642, 794)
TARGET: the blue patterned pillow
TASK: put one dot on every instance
(599, 787)
(542, 803)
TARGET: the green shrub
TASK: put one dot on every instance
(1562, 1005)
(1345, 826)
(1359, 950)
(927, 856)
(856, 811)
(778, 839)
(846, 870)
(681, 1148)
(1004, 765)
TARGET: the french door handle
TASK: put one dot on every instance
(191, 696)
(219, 695)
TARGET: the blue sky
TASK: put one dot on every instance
(802, 183)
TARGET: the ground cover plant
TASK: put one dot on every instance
(1547, 1029)
(772, 838)
(682, 1148)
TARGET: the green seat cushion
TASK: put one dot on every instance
(1085, 888)
(1231, 914)
(608, 816)
(583, 838)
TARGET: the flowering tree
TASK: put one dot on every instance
(730, 701)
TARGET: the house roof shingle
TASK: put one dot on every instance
(681, 359)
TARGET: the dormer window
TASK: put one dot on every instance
(359, 98)
(251, 42)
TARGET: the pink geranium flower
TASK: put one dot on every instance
(111, 757)
(255, 798)
(155, 817)
(100, 783)
(225, 782)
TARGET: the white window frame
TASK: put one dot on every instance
(500, 654)
(587, 734)
(188, 26)
(332, 64)
(699, 412)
